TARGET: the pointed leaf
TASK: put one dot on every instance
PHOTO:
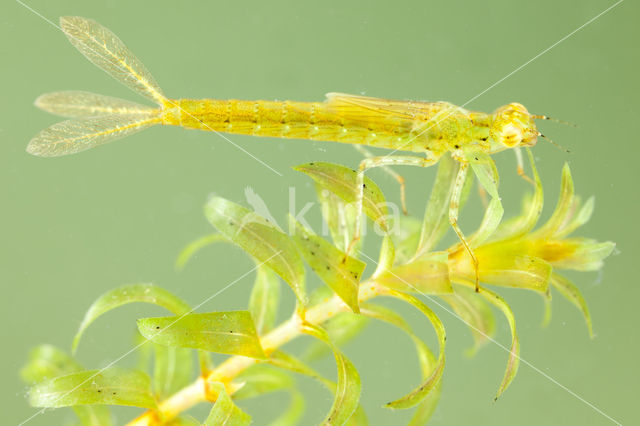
(260, 239)
(76, 103)
(173, 369)
(264, 300)
(583, 254)
(418, 394)
(571, 292)
(524, 223)
(340, 272)
(342, 181)
(485, 170)
(46, 362)
(341, 328)
(406, 238)
(422, 276)
(473, 311)
(348, 389)
(340, 218)
(490, 222)
(195, 246)
(436, 217)
(147, 293)
(514, 353)
(428, 362)
(261, 379)
(112, 386)
(563, 208)
(231, 332)
(386, 257)
(225, 412)
(105, 50)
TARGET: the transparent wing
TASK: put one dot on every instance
(75, 103)
(363, 107)
(104, 49)
(69, 137)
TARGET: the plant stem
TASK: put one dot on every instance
(196, 392)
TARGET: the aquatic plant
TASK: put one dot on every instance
(409, 268)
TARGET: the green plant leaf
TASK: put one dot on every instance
(93, 415)
(340, 272)
(514, 353)
(341, 328)
(531, 210)
(347, 392)
(485, 170)
(173, 369)
(436, 216)
(406, 238)
(261, 379)
(386, 257)
(231, 332)
(112, 386)
(490, 221)
(571, 292)
(264, 300)
(582, 217)
(563, 208)
(474, 312)
(293, 413)
(289, 362)
(429, 384)
(342, 181)
(586, 254)
(195, 246)
(147, 293)
(422, 276)
(427, 361)
(260, 239)
(340, 218)
(46, 362)
(224, 411)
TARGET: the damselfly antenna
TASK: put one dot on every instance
(554, 143)
(546, 117)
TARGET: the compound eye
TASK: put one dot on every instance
(511, 135)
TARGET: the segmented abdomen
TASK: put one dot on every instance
(286, 119)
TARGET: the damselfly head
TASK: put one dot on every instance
(513, 126)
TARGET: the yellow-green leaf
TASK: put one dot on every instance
(341, 328)
(112, 386)
(146, 293)
(340, 272)
(514, 353)
(573, 295)
(565, 202)
(340, 218)
(342, 181)
(264, 299)
(422, 276)
(261, 379)
(224, 411)
(426, 358)
(195, 246)
(418, 394)
(231, 332)
(46, 362)
(474, 312)
(531, 211)
(173, 369)
(436, 218)
(490, 222)
(348, 389)
(260, 239)
(485, 170)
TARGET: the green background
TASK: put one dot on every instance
(74, 227)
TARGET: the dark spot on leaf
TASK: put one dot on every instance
(313, 253)
(456, 146)
(99, 390)
(157, 327)
(328, 267)
(231, 331)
